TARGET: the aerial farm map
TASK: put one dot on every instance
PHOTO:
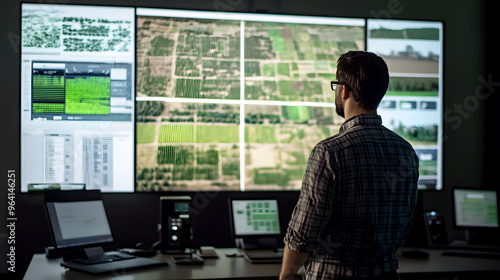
(233, 105)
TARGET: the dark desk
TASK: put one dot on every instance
(438, 265)
(239, 268)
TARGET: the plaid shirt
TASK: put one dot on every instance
(356, 203)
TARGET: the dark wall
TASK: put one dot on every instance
(491, 122)
(134, 217)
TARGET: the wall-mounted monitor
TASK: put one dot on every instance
(231, 101)
(77, 96)
(128, 99)
(413, 104)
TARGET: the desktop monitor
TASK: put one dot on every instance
(79, 223)
(78, 220)
(255, 218)
(475, 209)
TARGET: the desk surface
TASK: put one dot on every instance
(239, 268)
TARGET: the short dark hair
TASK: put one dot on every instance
(366, 75)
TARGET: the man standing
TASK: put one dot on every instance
(359, 189)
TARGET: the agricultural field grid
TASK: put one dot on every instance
(233, 105)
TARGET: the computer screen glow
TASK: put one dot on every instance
(255, 217)
(476, 208)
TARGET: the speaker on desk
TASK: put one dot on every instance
(436, 229)
(175, 224)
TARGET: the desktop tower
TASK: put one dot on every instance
(175, 224)
(436, 229)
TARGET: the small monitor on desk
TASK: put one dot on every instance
(476, 212)
(255, 223)
(475, 208)
(78, 219)
(255, 218)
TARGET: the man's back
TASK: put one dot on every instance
(359, 189)
(364, 181)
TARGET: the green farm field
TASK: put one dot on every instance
(260, 134)
(217, 134)
(145, 133)
(176, 133)
(179, 133)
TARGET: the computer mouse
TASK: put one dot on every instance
(415, 253)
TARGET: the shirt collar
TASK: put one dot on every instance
(362, 119)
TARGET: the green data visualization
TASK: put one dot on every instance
(48, 94)
(261, 217)
(71, 95)
(88, 95)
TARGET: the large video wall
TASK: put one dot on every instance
(139, 99)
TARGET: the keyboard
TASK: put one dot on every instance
(460, 245)
(472, 254)
(103, 259)
(265, 256)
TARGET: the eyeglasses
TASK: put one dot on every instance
(335, 83)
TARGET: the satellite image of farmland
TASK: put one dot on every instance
(295, 62)
(232, 105)
(188, 58)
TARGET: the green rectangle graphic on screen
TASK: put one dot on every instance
(255, 217)
(88, 95)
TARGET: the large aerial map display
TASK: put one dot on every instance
(126, 99)
(234, 104)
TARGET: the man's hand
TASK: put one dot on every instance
(292, 261)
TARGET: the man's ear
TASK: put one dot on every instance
(346, 93)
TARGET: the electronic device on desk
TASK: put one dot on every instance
(175, 229)
(255, 225)
(476, 212)
(261, 257)
(190, 259)
(435, 228)
(208, 252)
(80, 230)
(175, 224)
(416, 253)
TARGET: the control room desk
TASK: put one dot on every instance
(239, 268)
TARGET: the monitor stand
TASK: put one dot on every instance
(479, 237)
(191, 259)
(185, 251)
(257, 243)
